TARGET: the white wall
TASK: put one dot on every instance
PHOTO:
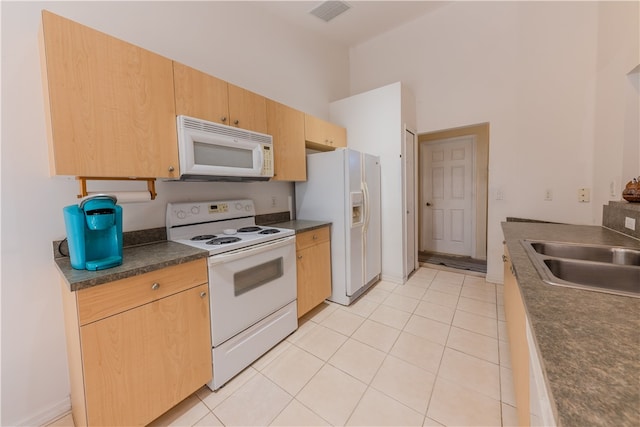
(534, 71)
(231, 40)
(616, 124)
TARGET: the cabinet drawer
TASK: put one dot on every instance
(312, 237)
(98, 302)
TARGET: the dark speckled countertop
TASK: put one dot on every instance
(301, 225)
(136, 260)
(588, 342)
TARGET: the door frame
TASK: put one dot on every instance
(409, 228)
(480, 178)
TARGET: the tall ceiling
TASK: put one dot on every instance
(362, 21)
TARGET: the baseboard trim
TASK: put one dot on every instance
(392, 279)
(48, 415)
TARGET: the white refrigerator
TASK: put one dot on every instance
(343, 186)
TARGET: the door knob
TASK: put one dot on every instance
(428, 204)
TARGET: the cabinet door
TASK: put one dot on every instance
(517, 330)
(337, 135)
(109, 104)
(247, 110)
(313, 268)
(323, 135)
(141, 362)
(286, 125)
(200, 95)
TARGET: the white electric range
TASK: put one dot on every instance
(252, 279)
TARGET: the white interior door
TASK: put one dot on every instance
(447, 199)
(409, 196)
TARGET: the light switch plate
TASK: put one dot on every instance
(630, 223)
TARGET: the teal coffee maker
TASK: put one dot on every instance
(94, 232)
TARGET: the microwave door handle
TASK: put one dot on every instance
(260, 159)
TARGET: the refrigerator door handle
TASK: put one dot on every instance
(367, 215)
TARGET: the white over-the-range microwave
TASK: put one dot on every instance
(213, 152)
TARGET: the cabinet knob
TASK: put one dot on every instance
(171, 169)
(299, 256)
(504, 258)
(155, 286)
(236, 122)
(315, 237)
(203, 294)
(223, 119)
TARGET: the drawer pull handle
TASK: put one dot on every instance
(203, 294)
(155, 286)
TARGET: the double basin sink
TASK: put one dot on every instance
(602, 268)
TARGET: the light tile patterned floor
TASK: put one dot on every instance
(431, 352)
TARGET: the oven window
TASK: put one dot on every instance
(245, 280)
(220, 155)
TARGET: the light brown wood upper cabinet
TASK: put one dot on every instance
(206, 97)
(286, 125)
(109, 105)
(323, 135)
(200, 95)
(247, 110)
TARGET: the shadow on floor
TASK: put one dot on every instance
(454, 261)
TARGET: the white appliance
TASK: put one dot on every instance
(252, 279)
(343, 186)
(213, 152)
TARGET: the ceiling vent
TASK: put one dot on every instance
(328, 10)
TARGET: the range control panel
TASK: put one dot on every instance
(196, 212)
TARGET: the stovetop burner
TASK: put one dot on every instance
(269, 231)
(249, 229)
(203, 237)
(223, 240)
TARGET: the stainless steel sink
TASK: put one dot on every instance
(599, 253)
(601, 268)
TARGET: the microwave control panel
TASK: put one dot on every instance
(267, 165)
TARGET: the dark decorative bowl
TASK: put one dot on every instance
(631, 193)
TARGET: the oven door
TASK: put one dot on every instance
(249, 284)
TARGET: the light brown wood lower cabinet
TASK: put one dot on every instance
(313, 251)
(517, 330)
(131, 366)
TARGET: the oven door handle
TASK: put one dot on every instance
(251, 250)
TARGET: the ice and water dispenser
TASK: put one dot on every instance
(94, 232)
(357, 208)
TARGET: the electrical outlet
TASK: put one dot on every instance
(548, 195)
(499, 194)
(584, 195)
(630, 223)
(273, 201)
